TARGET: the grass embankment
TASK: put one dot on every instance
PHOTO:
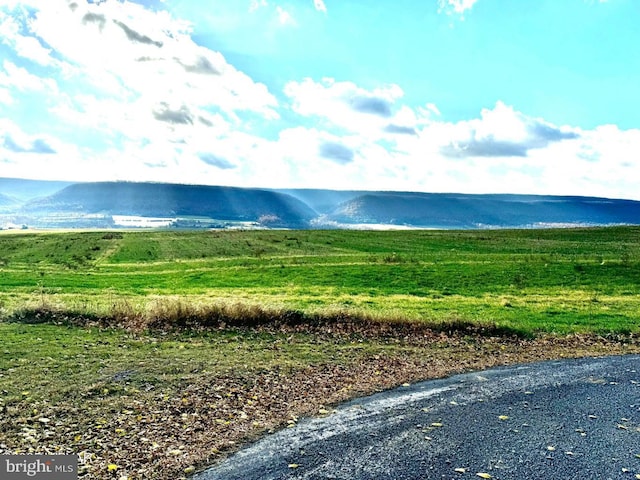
(150, 353)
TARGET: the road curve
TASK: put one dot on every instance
(570, 419)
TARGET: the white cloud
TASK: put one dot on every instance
(284, 17)
(455, 6)
(19, 78)
(500, 132)
(164, 108)
(502, 151)
(149, 55)
(5, 96)
(25, 46)
(345, 105)
(320, 5)
(138, 70)
(24, 154)
(257, 4)
(29, 47)
(134, 79)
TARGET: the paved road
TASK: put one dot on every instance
(574, 419)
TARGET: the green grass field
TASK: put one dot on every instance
(97, 357)
(576, 280)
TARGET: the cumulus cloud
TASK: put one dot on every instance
(371, 104)
(501, 132)
(15, 141)
(400, 129)
(257, 4)
(216, 161)
(320, 5)
(137, 86)
(5, 96)
(485, 147)
(146, 101)
(455, 6)
(91, 17)
(37, 145)
(135, 36)
(25, 46)
(336, 151)
(201, 65)
(19, 78)
(127, 51)
(346, 105)
(181, 115)
(284, 17)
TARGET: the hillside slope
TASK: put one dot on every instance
(75, 204)
(24, 190)
(7, 203)
(473, 211)
(170, 200)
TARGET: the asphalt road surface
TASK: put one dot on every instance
(572, 419)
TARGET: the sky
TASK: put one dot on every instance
(471, 96)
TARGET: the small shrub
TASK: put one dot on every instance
(392, 258)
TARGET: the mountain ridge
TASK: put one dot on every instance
(96, 204)
(172, 200)
(26, 189)
(483, 210)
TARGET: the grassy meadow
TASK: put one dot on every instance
(561, 281)
(154, 353)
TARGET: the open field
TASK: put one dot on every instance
(154, 353)
(582, 280)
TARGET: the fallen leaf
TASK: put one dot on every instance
(460, 470)
(437, 424)
(293, 465)
(503, 417)
(483, 475)
(551, 448)
(112, 467)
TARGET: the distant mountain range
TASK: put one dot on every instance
(477, 211)
(7, 201)
(24, 190)
(172, 200)
(103, 204)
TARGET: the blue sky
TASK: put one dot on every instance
(439, 95)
